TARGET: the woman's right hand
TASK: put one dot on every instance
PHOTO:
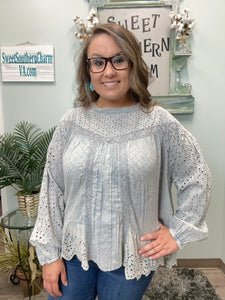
(51, 274)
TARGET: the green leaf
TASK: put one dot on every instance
(23, 156)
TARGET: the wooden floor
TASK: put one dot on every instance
(217, 279)
(8, 291)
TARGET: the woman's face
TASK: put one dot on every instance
(111, 85)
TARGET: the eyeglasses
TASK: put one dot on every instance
(98, 64)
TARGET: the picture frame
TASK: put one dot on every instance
(150, 22)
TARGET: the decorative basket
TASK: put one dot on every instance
(28, 205)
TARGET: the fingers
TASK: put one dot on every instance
(53, 288)
(51, 274)
(149, 236)
(149, 250)
(161, 243)
(152, 235)
(159, 254)
(64, 277)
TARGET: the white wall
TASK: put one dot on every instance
(1, 112)
(45, 23)
(50, 22)
(41, 22)
(206, 74)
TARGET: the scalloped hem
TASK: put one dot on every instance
(75, 243)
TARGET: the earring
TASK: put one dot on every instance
(91, 87)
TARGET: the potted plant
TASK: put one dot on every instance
(22, 259)
(22, 161)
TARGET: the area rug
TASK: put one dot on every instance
(180, 284)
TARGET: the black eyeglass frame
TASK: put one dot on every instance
(88, 60)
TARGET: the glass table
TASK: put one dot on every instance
(16, 222)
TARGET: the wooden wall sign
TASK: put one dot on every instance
(151, 26)
(27, 63)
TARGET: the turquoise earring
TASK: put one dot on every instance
(91, 87)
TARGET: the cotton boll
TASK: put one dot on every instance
(172, 14)
(92, 11)
(95, 20)
(76, 18)
(173, 25)
(78, 35)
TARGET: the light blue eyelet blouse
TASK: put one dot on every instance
(107, 181)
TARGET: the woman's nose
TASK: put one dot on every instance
(109, 70)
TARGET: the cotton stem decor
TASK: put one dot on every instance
(182, 23)
(84, 29)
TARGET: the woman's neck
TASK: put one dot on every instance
(102, 103)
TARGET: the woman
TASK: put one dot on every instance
(106, 219)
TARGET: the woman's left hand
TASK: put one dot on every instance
(162, 243)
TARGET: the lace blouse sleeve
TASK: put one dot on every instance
(47, 233)
(187, 169)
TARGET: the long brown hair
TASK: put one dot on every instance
(139, 77)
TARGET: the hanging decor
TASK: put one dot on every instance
(25, 63)
(182, 23)
(84, 29)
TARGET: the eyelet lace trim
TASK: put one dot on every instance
(75, 243)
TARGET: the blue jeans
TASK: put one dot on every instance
(86, 285)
